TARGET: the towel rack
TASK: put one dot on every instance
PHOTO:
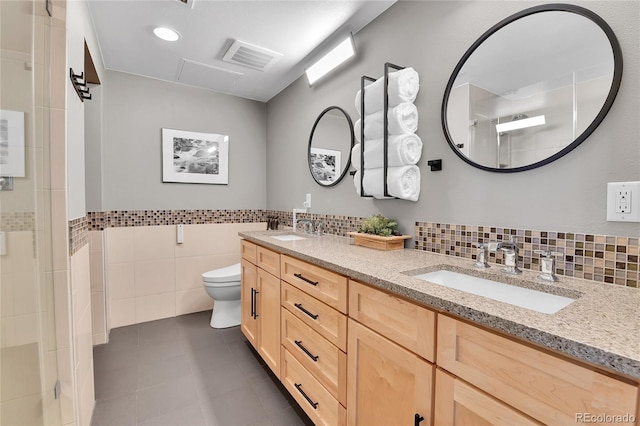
(385, 128)
(80, 86)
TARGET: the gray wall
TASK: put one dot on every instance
(135, 111)
(431, 36)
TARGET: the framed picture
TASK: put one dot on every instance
(325, 165)
(11, 143)
(190, 157)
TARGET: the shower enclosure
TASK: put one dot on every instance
(29, 394)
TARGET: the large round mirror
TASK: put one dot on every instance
(330, 146)
(532, 88)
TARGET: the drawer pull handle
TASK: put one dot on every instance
(305, 279)
(306, 351)
(299, 306)
(309, 400)
(417, 419)
(255, 302)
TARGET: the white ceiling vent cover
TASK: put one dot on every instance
(248, 55)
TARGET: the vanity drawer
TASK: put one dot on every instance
(315, 400)
(543, 386)
(406, 323)
(328, 322)
(268, 260)
(248, 251)
(325, 361)
(324, 285)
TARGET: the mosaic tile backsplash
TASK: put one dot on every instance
(78, 234)
(601, 258)
(17, 221)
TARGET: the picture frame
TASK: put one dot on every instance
(192, 157)
(12, 143)
(325, 165)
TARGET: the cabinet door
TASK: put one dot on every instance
(249, 286)
(268, 311)
(546, 387)
(386, 384)
(460, 404)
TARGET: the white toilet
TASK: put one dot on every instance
(223, 285)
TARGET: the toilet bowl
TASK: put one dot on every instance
(223, 286)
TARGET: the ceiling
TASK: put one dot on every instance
(301, 31)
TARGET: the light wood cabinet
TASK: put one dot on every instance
(248, 286)
(315, 400)
(323, 319)
(260, 304)
(320, 357)
(324, 285)
(460, 404)
(546, 387)
(248, 251)
(268, 313)
(268, 260)
(386, 384)
(404, 322)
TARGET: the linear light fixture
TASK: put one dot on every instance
(344, 50)
(520, 124)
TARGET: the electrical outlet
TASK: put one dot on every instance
(623, 202)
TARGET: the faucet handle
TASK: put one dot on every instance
(548, 253)
(481, 257)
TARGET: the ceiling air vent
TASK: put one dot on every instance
(248, 55)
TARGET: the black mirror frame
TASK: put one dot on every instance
(615, 84)
(313, 129)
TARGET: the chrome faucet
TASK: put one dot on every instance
(307, 225)
(482, 255)
(548, 264)
(295, 211)
(511, 251)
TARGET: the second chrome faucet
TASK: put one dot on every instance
(511, 251)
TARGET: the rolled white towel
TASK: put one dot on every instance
(402, 182)
(403, 87)
(403, 119)
(403, 150)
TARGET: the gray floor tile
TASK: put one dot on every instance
(188, 416)
(163, 370)
(166, 398)
(290, 416)
(181, 372)
(151, 352)
(240, 407)
(120, 411)
(221, 379)
(271, 401)
(159, 331)
(115, 359)
(115, 383)
(210, 357)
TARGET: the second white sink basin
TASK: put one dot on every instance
(288, 237)
(538, 301)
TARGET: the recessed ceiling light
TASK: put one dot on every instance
(166, 33)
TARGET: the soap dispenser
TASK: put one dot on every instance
(548, 264)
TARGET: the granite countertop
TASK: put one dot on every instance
(601, 327)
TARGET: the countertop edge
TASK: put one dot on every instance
(591, 355)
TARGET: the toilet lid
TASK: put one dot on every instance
(223, 275)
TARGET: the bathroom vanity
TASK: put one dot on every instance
(357, 338)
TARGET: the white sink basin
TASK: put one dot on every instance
(519, 296)
(288, 237)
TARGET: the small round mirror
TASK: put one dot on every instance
(330, 146)
(532, 88)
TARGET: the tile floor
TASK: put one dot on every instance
(181, 372)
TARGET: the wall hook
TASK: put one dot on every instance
(436, 165)
(80, 86)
